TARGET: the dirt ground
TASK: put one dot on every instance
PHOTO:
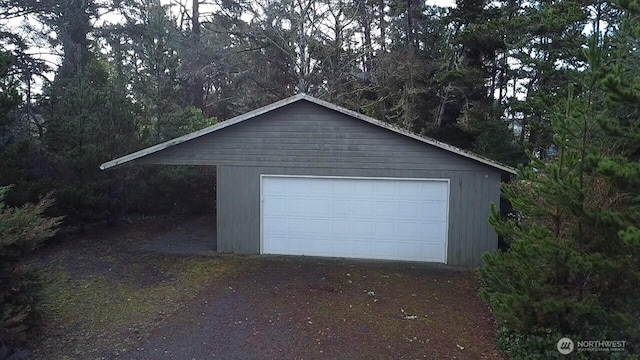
(113, 295)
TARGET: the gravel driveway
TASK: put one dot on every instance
(109, 302)
(306, 308)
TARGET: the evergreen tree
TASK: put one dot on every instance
(10, 98)
(21, 231)
(573, 265)
(18, 155)
(89, 120)
(468, 107)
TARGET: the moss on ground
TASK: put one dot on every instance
(99, 308)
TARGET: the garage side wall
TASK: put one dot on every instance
(470, 195)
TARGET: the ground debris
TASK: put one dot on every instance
(407, 316)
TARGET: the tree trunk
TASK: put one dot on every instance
(494, 79)
(444, 98)
(73, 27)
(410, 23)
(198, 83)
(382, 25)
(366, 22)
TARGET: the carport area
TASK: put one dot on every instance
(194, 236)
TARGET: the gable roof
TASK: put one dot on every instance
(293, 99)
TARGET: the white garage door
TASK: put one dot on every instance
(355, 217)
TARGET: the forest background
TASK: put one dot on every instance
(549, 86)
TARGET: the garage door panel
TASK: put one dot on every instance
(297, 226)
(340, 228)
(362, 249)
(340, 189)
(319, 187)
(386, 209)
(431, 251)
(340, 248)
(408, 230)
(276, 225)
(341, 207)
(409, 191)
(360, 218)
(434, 193)
(408, 249)
(363, 190)
(432, 211)
(320, 227)
(432, 230)
(296, 245)
(319, 247)
(276, 206)
(364, 208)
(385, 229)
(279, 244)
(409, 210)
(304, 205)
(321, 207)
(383, 249)
(277, 189)
(363, 229)
(386, 190)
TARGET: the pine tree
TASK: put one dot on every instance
(89, 120)
(21, 231)
(573, 265)
(10, 98)
(16, 147)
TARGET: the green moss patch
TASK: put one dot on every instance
(115, 306)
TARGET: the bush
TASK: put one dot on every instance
(22, 230)
(533, 345)
(541, 344)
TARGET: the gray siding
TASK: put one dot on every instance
(470, 195)
(308, 135)
(307, 139)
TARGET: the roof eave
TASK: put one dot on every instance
(201, 132)
(153, 149)
(404, 132)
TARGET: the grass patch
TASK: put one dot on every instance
(115, 306)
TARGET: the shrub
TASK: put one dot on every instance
(22, 230)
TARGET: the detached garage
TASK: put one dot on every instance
(307, 177)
